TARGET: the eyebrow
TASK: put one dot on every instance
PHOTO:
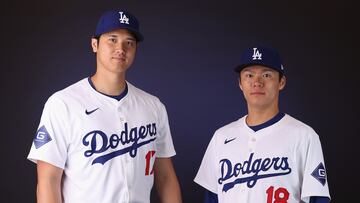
(128, 38)
(264, 70)
(131, 38)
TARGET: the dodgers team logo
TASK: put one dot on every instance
(123, 18)
(99, 143)
(256, 54)
(250, 171)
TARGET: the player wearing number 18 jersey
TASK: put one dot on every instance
(102, 139)
(266, 156)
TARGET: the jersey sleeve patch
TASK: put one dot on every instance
(42, 137)
(320, 174)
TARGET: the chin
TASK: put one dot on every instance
(257, 103)
(120, 68)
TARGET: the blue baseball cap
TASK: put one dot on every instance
(260, 55)
(112, 20)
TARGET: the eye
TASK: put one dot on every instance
(247, 76)
(130, 43)
(267, 75)
(112, 40)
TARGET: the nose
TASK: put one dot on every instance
(120, 48)
(258, 81)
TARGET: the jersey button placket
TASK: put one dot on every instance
(126, 181)
(120, 114)
(124, 158)
(122, 121)
(252, 144)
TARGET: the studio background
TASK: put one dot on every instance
(187, 60)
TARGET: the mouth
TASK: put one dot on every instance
(119, 58)
(257, 93)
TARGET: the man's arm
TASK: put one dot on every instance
(49, 183)
(166, 181)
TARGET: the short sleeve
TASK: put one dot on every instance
(164, 143)
(50, 140)
(314, 181)
(207, 173)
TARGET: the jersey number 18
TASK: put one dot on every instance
(281, 195)
(148, 157)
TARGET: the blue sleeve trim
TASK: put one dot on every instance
(316, 199)
(210, 197)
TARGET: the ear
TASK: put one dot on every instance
(240, 83)
(282, 82)
(94, 44)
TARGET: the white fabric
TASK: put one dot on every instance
(78, 141)
(288, 151)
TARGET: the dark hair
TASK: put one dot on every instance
(97, 38)
(280, 75)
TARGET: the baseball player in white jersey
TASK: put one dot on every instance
(266, 156)
(102, 139)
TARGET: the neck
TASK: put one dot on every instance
(258, 116)
(109, 84)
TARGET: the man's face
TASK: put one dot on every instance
(115, 50)
(261, 86)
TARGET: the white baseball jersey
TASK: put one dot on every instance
(281, 163)
(106, 147)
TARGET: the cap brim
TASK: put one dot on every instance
(239, 68)
(139, 37)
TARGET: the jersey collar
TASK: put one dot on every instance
(117, 97)
(268, 123)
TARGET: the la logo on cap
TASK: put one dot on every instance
(256, 55)
(123, 18)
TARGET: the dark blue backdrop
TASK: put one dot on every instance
(186, 60)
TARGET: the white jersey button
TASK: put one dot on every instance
(242, 188)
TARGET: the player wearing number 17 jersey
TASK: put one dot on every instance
(102, 139)
(266, 156)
